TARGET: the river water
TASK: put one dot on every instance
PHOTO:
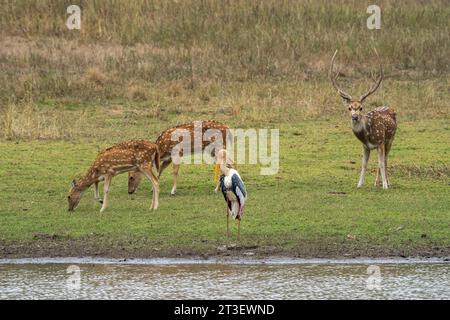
(73, 278)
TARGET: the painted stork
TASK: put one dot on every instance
(233, 189)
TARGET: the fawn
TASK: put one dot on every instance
(134, 155)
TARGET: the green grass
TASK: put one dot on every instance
(137, 68)
(293, 212)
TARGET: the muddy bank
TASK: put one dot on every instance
(81, 248)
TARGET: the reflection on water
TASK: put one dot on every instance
(226, 281)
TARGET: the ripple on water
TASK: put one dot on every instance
(225, 281)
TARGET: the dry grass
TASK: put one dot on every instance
(279, 38)
(28, 122)
(137, 92)
(441, 171)
(96, 76)
(244, 62)
(241, 104)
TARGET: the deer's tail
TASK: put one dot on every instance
(156, 161)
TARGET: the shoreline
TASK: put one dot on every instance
(81, 249)
(273, 260)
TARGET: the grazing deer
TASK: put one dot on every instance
(167, 141)
(376, 129)
(134, 155)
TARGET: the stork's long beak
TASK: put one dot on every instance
(216, 173)
(220, 156)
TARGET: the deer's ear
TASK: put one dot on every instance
(73, 183)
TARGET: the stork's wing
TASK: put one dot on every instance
(238, 188)
(224, 190)
(222, 186)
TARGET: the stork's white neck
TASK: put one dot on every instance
(225, 170)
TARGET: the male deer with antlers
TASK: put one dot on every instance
(168, 140)
(123, 157)
(376, 129)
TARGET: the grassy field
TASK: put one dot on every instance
(65, 95)
(310, 208)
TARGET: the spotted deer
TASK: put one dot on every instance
(376, 129)
(134, 155)
(167, 141)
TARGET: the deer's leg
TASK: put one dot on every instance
(176, 168)
(381, 164)
(96, 190)
(155, 181)
(163, 166)
(377, 178)
(147, 171)
(386, 151)
(97, 193)
(365, 161)
(106, 187)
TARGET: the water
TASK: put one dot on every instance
(213, 279)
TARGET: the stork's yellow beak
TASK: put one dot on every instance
(216, 174)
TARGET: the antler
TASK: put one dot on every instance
(377, 83)
(333, 79)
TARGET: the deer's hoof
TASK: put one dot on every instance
(154, 206)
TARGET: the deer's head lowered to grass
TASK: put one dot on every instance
(376, 129)
(133, 155)
(74, 196)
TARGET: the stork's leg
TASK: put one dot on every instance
(228, 222)
(239, 229)
(106, 186)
